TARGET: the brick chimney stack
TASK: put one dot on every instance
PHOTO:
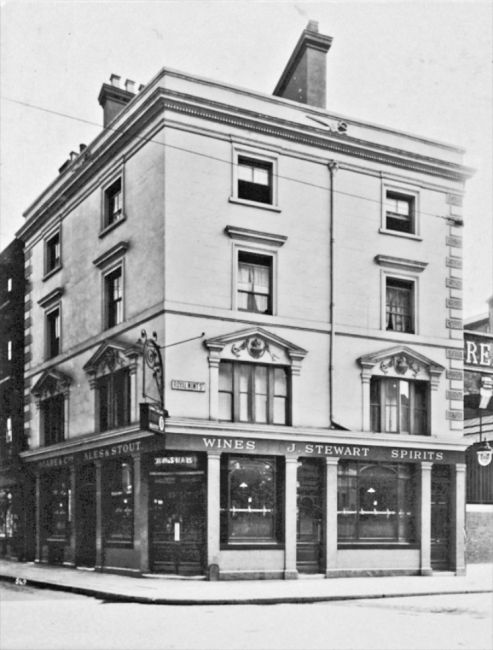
(113, 98)
(304, 77)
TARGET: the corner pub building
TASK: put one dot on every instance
(243, 338)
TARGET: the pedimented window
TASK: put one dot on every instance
(252, 377)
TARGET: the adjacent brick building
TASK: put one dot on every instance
(12, 440)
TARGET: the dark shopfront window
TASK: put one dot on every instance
(58, 506)
(376, 503)
(250, 500)
(119, 503)
(8, 520)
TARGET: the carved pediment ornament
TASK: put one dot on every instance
(255, 346)
(401, 364)
(51, 383)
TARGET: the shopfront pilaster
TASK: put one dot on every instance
(425, 518)
(213, 496)
(458, 518)
(330, 516)
(141, 513)
(290, 570)
(99, 514)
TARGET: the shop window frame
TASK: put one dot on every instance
(367, 542)
(111, 540)
(278, 540)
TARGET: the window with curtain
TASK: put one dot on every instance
(251, 392)
(399, 305)
(254, 282)
(376, 502)
(399, 406)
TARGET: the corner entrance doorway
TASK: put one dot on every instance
(440, 517)
(86, 517)
(309, 519)
(177, 514)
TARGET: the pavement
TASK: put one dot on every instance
(170, 590)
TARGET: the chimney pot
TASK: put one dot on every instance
(312, 26)
(115, 80)
(82, 147)
(130, 86)
(73, 155)
(141, 87)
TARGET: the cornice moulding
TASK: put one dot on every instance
(400, 263)
(255, 236)
(51, 297)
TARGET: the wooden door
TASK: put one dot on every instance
(309, 516)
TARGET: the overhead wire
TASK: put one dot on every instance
(204, 155)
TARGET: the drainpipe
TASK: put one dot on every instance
(332, 166)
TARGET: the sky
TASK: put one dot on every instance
(424, 67)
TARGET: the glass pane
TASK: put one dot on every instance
(260, 408)
(279, 410)
(261, 176)
(245, 172)
(259, 303)
(252, 500)
(245, 275)
(390, 405)
(347, 501)
(405, 406)
(243, 300)
(244, 414)
(377, 502)
(280, 383)
(225, 376)
(244, 378)
(225, 406)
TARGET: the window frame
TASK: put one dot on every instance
(407, 193)
(259, 251)
(383, 382)
(51, 268)
(107, 273)
(252, 260)
(43, 404)
(264, 160)
(113, 419)
(413, 283)
(252, 393)
(400, 284)
(397, 541)
(276, 540)
(108, 225)
(49, 353)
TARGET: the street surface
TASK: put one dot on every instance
(38, 619)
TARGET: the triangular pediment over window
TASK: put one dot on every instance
(256, 345)
(51, 382)
(403, 362)
(112, 355)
